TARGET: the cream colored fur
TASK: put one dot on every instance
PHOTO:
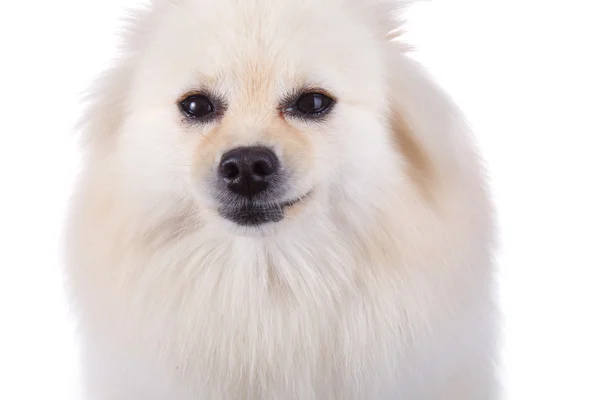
(378, 286)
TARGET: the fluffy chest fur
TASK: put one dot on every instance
(324, 315)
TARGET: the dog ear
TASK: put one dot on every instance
(430, 132)
(105, 101)
(104, 110)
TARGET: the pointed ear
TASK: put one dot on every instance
(105, 106)
(429, 130)
(105, 100)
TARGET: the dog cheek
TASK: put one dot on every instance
(151, 160)
(297, 149)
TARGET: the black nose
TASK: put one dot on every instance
(248, 171)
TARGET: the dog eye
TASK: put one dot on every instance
(312, 104)
(197, 106)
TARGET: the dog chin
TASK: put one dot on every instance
(252, 215)
(251, 219)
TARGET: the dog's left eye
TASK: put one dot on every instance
(311, 105)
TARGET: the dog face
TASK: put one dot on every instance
(264, 115)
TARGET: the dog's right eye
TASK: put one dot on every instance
(197, 106)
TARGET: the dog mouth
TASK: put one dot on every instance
(254, 214)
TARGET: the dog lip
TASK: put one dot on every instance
(253, 214)
(296, 200)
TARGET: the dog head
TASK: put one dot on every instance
(257, 116)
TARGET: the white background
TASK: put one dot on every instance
(526, 72)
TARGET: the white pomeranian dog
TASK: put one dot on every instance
(277, 203)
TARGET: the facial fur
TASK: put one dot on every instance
(362, 271)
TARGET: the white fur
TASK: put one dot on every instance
(378, 286)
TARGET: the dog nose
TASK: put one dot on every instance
(247, 171)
